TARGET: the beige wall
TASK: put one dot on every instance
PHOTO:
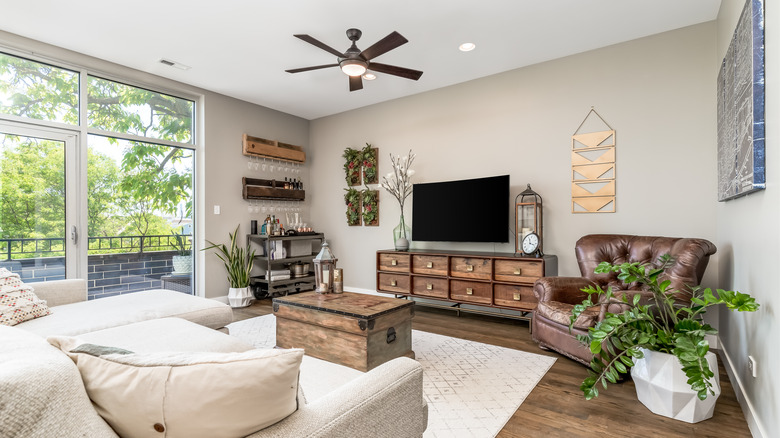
(656, 92)
(749, 244)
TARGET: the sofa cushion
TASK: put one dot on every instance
(188, 394)
(18, 302)
(88, 316)
(41, 393)
(561, 314)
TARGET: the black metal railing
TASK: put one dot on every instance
(23, 248)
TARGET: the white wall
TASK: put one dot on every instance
(656, 92)
(749, 244)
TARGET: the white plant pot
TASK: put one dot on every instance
(662, 387)
(182, 264)
(239, 297)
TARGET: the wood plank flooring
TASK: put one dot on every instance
(556, 408)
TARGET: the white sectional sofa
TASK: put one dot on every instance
(42, 393)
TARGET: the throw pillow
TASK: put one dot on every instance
(18, 302)
(187, 394)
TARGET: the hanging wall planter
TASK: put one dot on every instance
(370, 164)
(353, 200)
(352, 166)
(371, 208)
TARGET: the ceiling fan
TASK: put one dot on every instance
(354, 62)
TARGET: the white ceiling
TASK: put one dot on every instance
(241, 48)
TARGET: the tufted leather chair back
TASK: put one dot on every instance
(691, 257)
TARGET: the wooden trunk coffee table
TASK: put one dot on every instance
(356, 330)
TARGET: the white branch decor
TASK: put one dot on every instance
(398, 182)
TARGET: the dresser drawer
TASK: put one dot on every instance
(516, 296)
(470, 267)
(471, 292)
(393, 283)
(430, 287)
(518, 271)
(429, 265)
(394, 262)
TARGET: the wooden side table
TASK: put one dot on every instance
(356, 330)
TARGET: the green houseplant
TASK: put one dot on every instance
(182, 261)
(666, 324)
(238, 264)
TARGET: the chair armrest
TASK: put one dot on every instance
(562, 289)
(386, 402)
(59, 292)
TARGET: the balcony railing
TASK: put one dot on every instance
(14, 249)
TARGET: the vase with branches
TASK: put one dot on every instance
(398, 183)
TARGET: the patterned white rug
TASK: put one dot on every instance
(472, 389)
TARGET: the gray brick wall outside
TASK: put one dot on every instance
(108, 274)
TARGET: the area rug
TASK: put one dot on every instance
(472, 389)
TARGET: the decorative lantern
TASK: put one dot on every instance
(528, 223)
(324, 269)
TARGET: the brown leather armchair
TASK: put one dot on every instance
(558, 295)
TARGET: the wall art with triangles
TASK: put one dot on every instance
(593, 174)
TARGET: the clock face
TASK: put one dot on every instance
(530, 243)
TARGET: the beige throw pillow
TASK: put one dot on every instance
(18, 302)
(187, 394)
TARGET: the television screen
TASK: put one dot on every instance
(473, 210)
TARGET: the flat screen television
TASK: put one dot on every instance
(472, 210)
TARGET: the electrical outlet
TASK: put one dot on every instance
(751, 366)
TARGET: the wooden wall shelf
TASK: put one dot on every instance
(256, 188)
(261, 147)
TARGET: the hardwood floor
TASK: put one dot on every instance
(556, 408)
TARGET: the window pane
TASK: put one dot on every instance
(140, 216)
(32, 207)
(38, 91)
(121, 108)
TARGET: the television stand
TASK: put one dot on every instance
(492, 281)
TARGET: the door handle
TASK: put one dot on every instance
(394, 262)
(74, 234)
(393, 283)
(429, 286)
(469, 268)
(429, 265)
(469, 291)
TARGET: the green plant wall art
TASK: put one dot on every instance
(353, 200)
(353, 160)
(371, 208)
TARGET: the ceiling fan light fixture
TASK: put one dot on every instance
(369, 76)
(467, 47)
(353, 67)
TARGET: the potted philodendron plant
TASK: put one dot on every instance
(663, 341)
(238, 264)
(182, 261)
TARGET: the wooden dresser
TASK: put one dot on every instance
(487, 279)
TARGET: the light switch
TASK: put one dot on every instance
(216, 209)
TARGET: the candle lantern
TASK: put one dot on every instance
(324, 269)
(528, 223)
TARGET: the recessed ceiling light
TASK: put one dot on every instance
(174, 64)
(467, 47)
(369, 76)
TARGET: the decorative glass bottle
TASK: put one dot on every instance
(401, 236)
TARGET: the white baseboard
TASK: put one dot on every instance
(222, 299)
(755, 426)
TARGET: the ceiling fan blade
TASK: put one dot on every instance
(320, 44)
(355, 83)
(407, 73)
(384, 45)
(316, 67)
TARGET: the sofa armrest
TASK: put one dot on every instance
(561, 289)
(59, 292)
(386, 402)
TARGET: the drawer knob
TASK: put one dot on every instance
(517, 271)
(469, 268)
(429, 265)
(516, 296)
(394, 262)
(393, 283)
(469, 291)
(429, 286)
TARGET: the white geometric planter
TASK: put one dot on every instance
(662, 387)
(182, 264)
(239, 297)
